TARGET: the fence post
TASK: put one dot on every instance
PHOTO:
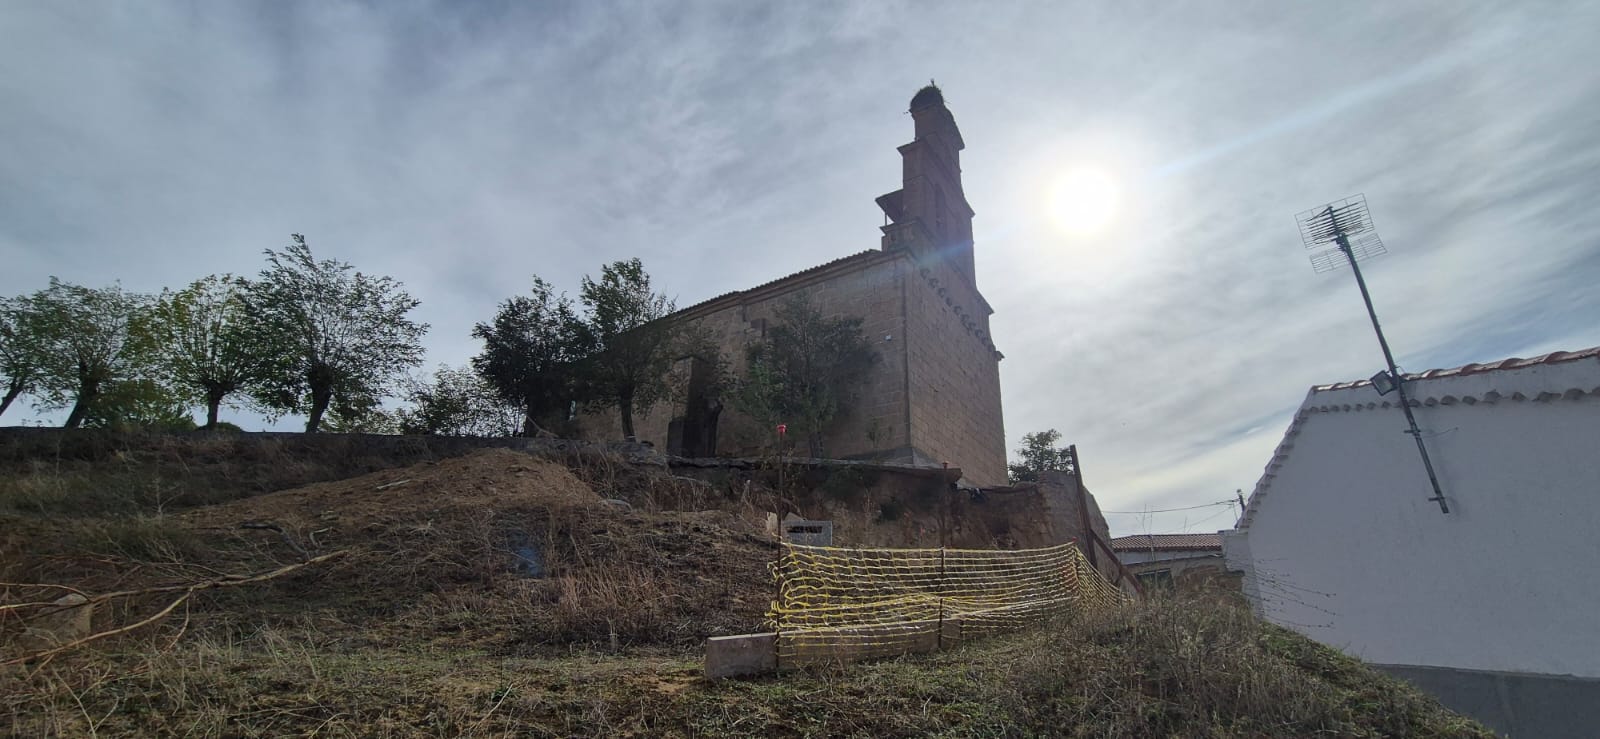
(939, 640)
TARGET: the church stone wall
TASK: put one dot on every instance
(932, 397)
(955, 376)
(872, 426)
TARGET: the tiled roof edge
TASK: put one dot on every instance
(1489, 397)
(858, 259)
(1476, 368)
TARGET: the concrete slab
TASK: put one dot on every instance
(842, 646)
(744, 654)
(949, 632)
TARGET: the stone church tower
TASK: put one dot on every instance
(929, 214)
(934, 395)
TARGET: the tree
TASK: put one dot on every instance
(531, 351)
(21, 358)
(204, 342)
(1038, 454)
(458, 402)
(140, 404)
(803, 372)
(87, 340)
(360, 414)
(633, 341)
(333, 335)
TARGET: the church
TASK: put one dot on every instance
(933, 396)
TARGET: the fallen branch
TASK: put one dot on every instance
(395, 484)
(187, 592)
(48, 653)
(270, 526)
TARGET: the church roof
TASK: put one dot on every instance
(842, 264)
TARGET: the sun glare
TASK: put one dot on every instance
(1084, 201)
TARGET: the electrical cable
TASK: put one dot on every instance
(1169, 510)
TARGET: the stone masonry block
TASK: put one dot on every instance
(745, 654)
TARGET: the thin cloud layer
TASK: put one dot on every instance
(464, 149)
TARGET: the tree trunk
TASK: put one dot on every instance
(530, 428)
(320, 398)
(12, 392)
(625, 404)
(814, 444)
(213, 402)
(87, 392)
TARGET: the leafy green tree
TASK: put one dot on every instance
(633, 344)
(531, 351)
(140, 404)
(1038, 454)
(333, 335)
(804, 371)
(87, 339)
(204, 344)
(458, 402)
(21, 358)
(360, 414)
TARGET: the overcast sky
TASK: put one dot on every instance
(464, 147)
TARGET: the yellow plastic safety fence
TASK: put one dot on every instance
(869, 602)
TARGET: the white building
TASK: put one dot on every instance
(1172, 560)
(1494, 606)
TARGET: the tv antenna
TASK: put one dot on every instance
(1347, 225)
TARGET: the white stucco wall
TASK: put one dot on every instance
(1134, 556)
(1345, 547)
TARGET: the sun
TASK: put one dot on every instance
(1084, 200)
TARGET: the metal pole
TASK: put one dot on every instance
(1394, 371)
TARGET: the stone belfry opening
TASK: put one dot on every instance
(929, 215)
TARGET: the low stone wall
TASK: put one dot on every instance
(892, 505)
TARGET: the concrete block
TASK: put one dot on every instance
(949, 632)
(745, 654)
(856, 644)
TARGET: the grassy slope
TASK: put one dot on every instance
(432, 626)
(1161, 669)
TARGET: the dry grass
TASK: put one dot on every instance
(496, 595)
(1157, 669)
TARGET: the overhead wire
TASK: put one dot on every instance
(1169, 510)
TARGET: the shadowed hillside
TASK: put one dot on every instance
(497, 594)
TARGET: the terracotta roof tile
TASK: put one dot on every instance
(1166, 542)
(863, 256)
(1474, 369)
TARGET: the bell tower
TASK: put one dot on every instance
(929, 215)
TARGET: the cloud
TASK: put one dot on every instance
(463, 149)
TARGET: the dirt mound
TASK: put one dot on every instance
(497, 550)
(416, 495)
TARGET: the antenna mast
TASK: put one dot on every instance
(1335, 223)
